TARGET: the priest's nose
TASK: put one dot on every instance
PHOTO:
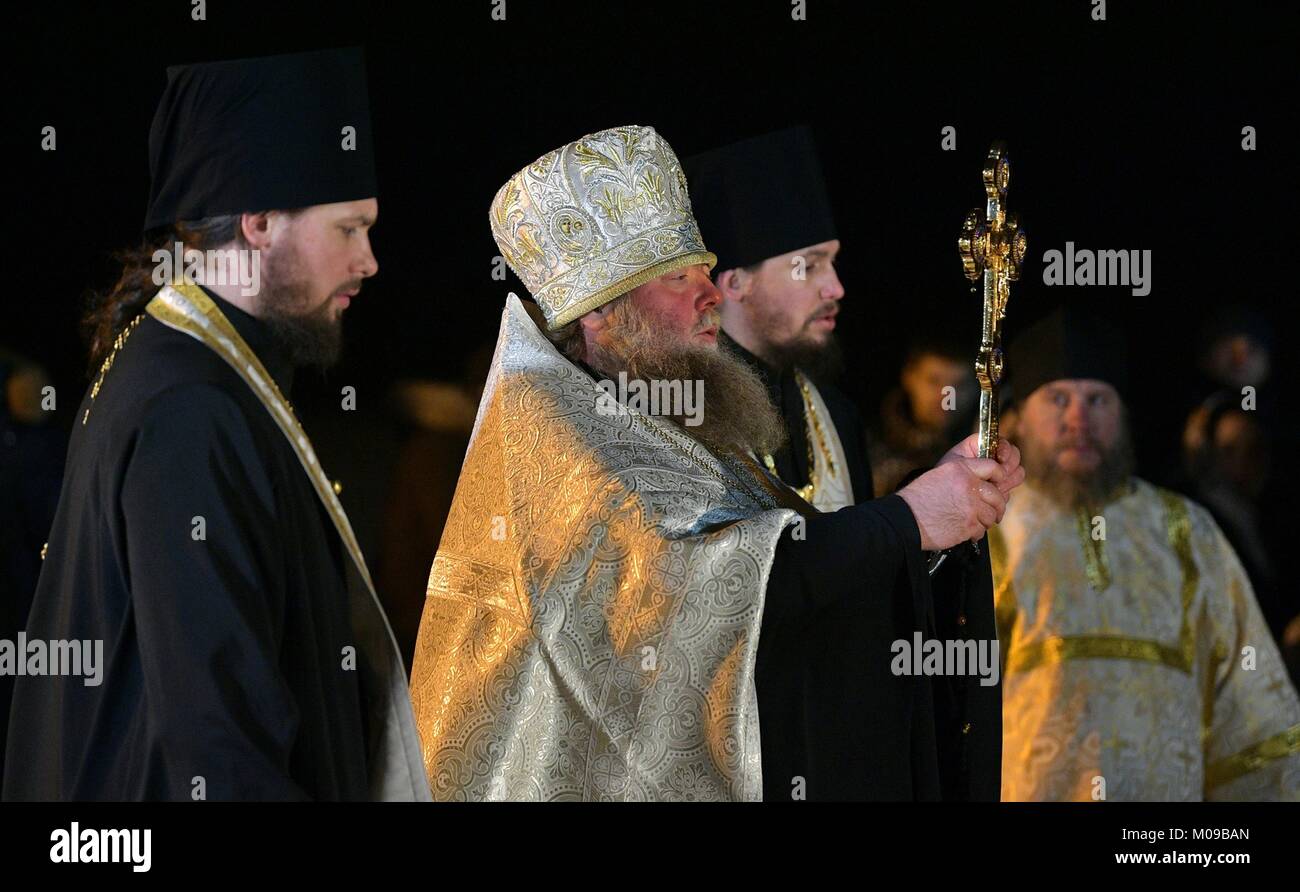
(1075, 418)
(833, 289)
(366, 265)
(709, 296)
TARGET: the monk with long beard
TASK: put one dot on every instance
(1138, 665)
(626, 604)
(737, 416)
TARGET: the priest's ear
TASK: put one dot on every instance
(735, 284)
(255, 229)
(594, 322)
(258, 230)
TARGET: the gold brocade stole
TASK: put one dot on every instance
(826, 490)
(1059, 648)
(185, 307)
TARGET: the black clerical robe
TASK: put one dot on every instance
(190, 541)
(831, 710)
(836, 723)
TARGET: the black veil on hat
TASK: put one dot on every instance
(260, 134)
(1070, 342)
(760, 198)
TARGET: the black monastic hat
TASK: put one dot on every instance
(1070, 342)
(260, 134)
(760, 198)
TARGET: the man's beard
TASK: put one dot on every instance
(309, 337)
(738, 415)
(1043, 473)
(823, 362)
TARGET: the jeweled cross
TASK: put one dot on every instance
(992, 244)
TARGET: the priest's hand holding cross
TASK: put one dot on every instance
(964, 494)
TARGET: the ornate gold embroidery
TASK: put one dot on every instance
(1279, 746)
(814, 422)
(595, 219)
(603, 647)
(478, 584)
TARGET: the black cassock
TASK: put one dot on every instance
(224, 655)
(831, 712)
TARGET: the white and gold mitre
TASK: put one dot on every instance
(595, 219)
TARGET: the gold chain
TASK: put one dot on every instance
(118, 343)
(810, 410)
(813, 427)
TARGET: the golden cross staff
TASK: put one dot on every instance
(992, 244)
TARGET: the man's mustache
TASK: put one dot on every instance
(1079, 443)
(827, 309)
(711, 319)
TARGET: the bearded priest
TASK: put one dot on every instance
(625, 604)
(1138, 665)
(197, 538)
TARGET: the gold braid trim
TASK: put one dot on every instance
(1181, 656)
(815, 422)
(1253, 758)
(1096, 647)
(624, 285)
(1178, 528)
(1094, 552)
(1218, 654)
(1006, 608)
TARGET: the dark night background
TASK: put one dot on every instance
(1125, 134)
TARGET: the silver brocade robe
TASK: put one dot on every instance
(1125, 673)
(593, 610)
